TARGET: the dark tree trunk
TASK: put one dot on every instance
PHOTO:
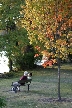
(10, 65)
(59, 96)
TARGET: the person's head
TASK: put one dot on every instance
(29, 74)
(25, 73)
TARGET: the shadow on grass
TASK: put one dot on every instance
(55, 100)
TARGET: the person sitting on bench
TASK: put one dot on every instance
(24, 77)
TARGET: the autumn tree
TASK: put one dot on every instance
(49, 25)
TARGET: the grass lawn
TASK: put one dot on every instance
(43, 89)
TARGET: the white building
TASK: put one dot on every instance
(3, 63)
(3, 59)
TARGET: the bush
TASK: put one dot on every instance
(26, 61)
(2, 102)
(70, 57)
(7, 75)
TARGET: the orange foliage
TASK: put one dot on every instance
(49, 63)
(36, 55)
(48, 20)
(59, 18)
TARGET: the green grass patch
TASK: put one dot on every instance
(43, 89)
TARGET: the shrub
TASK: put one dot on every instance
(26, 61)
(7, 75)
(2, 102)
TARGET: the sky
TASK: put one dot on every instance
(3, 63)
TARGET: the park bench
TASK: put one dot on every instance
(24, 82)
(16, 87)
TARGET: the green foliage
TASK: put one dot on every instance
(26, 61)
(70, 57)
(15, 38)
(10, 25)
(14, 43)
(7, 75)
(2, 102)
(9, 9)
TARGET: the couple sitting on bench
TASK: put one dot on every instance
(24, 79)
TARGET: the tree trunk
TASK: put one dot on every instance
(10, 65)
(59, 96)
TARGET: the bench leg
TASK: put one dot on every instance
(28, 86)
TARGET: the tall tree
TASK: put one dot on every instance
(9, 10)
(49, 25)
(13, 43)
(15, 38)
